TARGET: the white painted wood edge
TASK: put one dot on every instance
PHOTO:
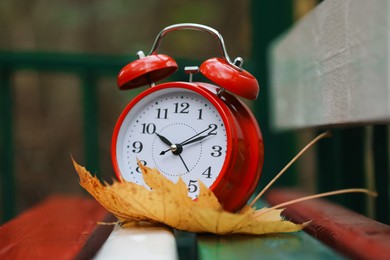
(154, 243)
(333, 67)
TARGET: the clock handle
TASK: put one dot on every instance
(222, 71)
(237, 63)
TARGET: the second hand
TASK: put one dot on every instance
(185, 165)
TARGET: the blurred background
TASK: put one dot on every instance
(58, 96)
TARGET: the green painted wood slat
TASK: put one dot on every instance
(7, 177)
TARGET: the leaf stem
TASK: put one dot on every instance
(316, 196)
(315, 140)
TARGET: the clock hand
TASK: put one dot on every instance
(178, 148)
(195, 140)
(185, 165)
(196, 135)
(164, 139)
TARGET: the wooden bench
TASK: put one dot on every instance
(331, 69)
(66, 227)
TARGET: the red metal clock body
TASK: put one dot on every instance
(193, 131)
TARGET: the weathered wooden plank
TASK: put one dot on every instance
(66, 228)
(298, 245)
(348, 232)
(332, 67)
(154, 243)
(58, 228)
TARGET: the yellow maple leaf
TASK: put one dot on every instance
(168, 203)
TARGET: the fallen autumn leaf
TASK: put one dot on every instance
(169, 204)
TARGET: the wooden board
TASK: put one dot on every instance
(332, 67)
(146, 243)
(352, 234)
(57, 228)
(298, 245)
(66, 228)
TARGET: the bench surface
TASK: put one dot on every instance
(66, 227)
(348, 232)
(298, 245)
(60, 226)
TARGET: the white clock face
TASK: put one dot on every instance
(177, 131)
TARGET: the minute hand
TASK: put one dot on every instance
(187, 140)
(194, 140)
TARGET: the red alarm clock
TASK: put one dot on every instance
(191, 130)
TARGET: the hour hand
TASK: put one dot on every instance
(164, 139)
